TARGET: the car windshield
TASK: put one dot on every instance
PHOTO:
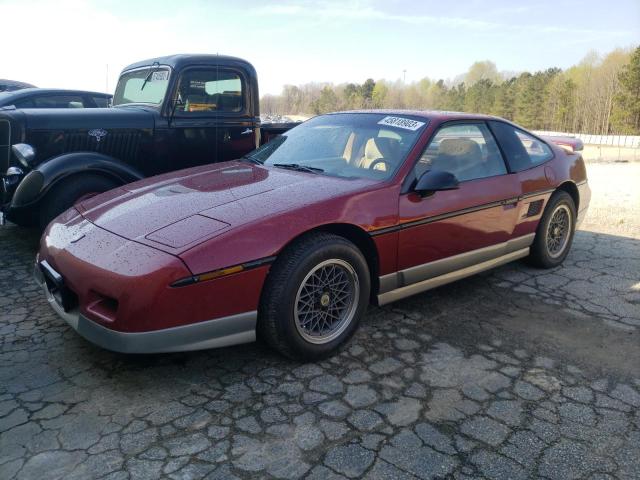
(350, 145)
(147, 85)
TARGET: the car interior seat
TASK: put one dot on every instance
(196, 99)
(457, 155)
(387, 149)
(230, 101)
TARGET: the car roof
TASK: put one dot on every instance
(27, 92)
(440, 115)
(12, 85)
(183, 59)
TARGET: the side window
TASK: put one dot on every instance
(466, 150)
(27, 103)
(209, 90)
(59, 101)
(523, 151)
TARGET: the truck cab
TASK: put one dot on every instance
(168, 113)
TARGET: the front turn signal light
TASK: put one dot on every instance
(203, 277)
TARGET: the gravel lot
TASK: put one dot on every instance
(516, 373)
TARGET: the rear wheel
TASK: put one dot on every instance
(555, 232)
(68, 191)
(314, 297)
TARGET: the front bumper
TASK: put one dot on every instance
(221, 332)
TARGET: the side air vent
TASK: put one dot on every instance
(119, 144)
(535, 208)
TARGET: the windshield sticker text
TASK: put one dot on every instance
(159, 76)
(400, 122)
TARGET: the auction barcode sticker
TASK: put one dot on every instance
(400, 122)
(159, 76)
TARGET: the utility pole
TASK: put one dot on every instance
(404, 76)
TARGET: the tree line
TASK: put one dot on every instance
(599, 95)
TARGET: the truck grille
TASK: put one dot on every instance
(5, 145)
(122, 145)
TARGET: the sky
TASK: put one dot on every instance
(84, 44)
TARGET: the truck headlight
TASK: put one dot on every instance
(24, 152)
(14, 171)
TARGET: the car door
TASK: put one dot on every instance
(454, 229)
(208, 124)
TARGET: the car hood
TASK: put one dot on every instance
(86, 118)
(176, 211)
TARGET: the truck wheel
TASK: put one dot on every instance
(555, 231)
(314, 297)
(68, 191)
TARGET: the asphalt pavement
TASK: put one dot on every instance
(515, 373)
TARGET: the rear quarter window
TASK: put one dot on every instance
(101, 102)
(523, 151)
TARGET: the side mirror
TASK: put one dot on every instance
(434, 181)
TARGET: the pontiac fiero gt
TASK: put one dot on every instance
(294, 240)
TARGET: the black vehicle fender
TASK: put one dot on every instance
(37, 182)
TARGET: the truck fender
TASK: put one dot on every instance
(37, 182)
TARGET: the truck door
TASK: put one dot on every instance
(210, 121)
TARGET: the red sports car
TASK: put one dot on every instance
(293, 241)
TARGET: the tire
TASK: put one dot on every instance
(293, 302)
(64, 194)
(551, 246)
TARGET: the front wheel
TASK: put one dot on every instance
(314, 297)
(555, 232)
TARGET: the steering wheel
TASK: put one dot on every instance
(379, 161)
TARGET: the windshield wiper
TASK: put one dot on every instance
(148, 77)
(299, 168)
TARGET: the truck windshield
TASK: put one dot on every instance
(350, 145)
(146, 85)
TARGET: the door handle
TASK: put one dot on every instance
(246, 132)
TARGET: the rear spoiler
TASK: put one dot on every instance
(571, 144)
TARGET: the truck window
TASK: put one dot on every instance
(146, 85)
(209, 90)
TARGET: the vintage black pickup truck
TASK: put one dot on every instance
(168, 113)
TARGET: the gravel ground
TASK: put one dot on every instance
(516, 373)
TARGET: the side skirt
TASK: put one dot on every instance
(418, 279)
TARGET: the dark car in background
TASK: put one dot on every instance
(168, 113)
(54, 98)
(11, 85)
